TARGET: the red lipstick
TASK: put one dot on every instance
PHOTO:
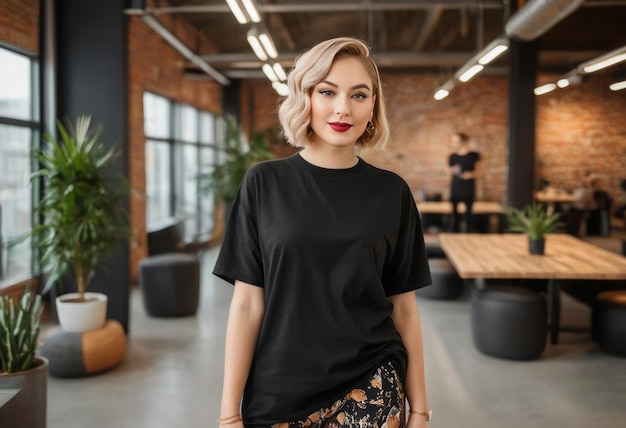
(340, 126)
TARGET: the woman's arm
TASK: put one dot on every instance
(406, 318)
(247, 309)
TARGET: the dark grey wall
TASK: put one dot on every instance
(92, 40)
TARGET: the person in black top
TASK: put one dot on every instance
(464, 167)
(325, 252)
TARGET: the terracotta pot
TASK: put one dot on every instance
(23, 397)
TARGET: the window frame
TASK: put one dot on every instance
(33, 125)
(177, 143)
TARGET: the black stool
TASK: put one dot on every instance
(170, 284)
(447, 285)
(509, 322)
(608, 321)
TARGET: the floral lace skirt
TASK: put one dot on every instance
(378, 403)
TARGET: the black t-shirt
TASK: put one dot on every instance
(462, 188)
(328, 246)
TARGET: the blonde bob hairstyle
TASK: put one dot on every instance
(308, 70)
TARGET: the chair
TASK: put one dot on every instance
(432, 221)
(447, 285)
(169, 277)
(608, 322)
(87, 353)
(509, 322)
(599, 219)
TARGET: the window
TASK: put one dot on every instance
(180, 146)
(18, 135)
(157, 121)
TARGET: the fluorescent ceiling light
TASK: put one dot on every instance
(257, 48)
(618, 86)
(236, 10)
(268, 45)
(281, 88)
(493, 53)
(280, 72)
(470, 72)
(441, 94)
(250, 7)
(269, 72)
(545, 89)
(562, 83)
(604, 61)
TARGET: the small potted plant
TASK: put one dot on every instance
(82, 219)
(535, 221)
(23, 374)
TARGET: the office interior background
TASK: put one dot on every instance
(64, 58)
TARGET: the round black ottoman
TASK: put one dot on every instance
(608, 321)
(170, 284)
(509, 322)
(447, 284)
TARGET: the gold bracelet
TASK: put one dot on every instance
(229, 419)
(428, 415)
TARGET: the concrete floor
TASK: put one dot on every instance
(172, 374)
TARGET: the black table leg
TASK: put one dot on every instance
(554, 301)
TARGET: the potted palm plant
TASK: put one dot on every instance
(225, 176)
(535, 221)
(23, 375)
(82, 221)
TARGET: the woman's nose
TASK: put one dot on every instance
(342, 107)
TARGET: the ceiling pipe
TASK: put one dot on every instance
(538, 16)
(177, 44)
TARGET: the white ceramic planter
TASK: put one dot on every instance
(77, 317)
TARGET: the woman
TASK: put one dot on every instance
(325, 252)
(464, 166)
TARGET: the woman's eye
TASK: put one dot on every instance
(360, 96)
(326, 92)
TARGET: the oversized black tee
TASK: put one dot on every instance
(328, 246)
(462, 188)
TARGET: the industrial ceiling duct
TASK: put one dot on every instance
(538, 16)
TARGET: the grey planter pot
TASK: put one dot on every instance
(537, 246)
(23, 397)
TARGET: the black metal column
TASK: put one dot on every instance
(92, 46)
(523, 56)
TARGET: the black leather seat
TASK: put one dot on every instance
(608, 322)
(509, 322)
(447, 285)
(170, 277)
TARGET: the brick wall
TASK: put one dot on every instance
(578, 128)
(156, 67)
(19, 23)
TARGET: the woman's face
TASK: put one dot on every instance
(456, 142)
(342, 103)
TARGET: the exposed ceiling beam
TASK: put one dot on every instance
(393, 59)
(330, 7)
(428, 28)
(181, 48)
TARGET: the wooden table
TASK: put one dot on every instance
(493, 209)
(506, 256)
(445, 207)
(553, 198)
